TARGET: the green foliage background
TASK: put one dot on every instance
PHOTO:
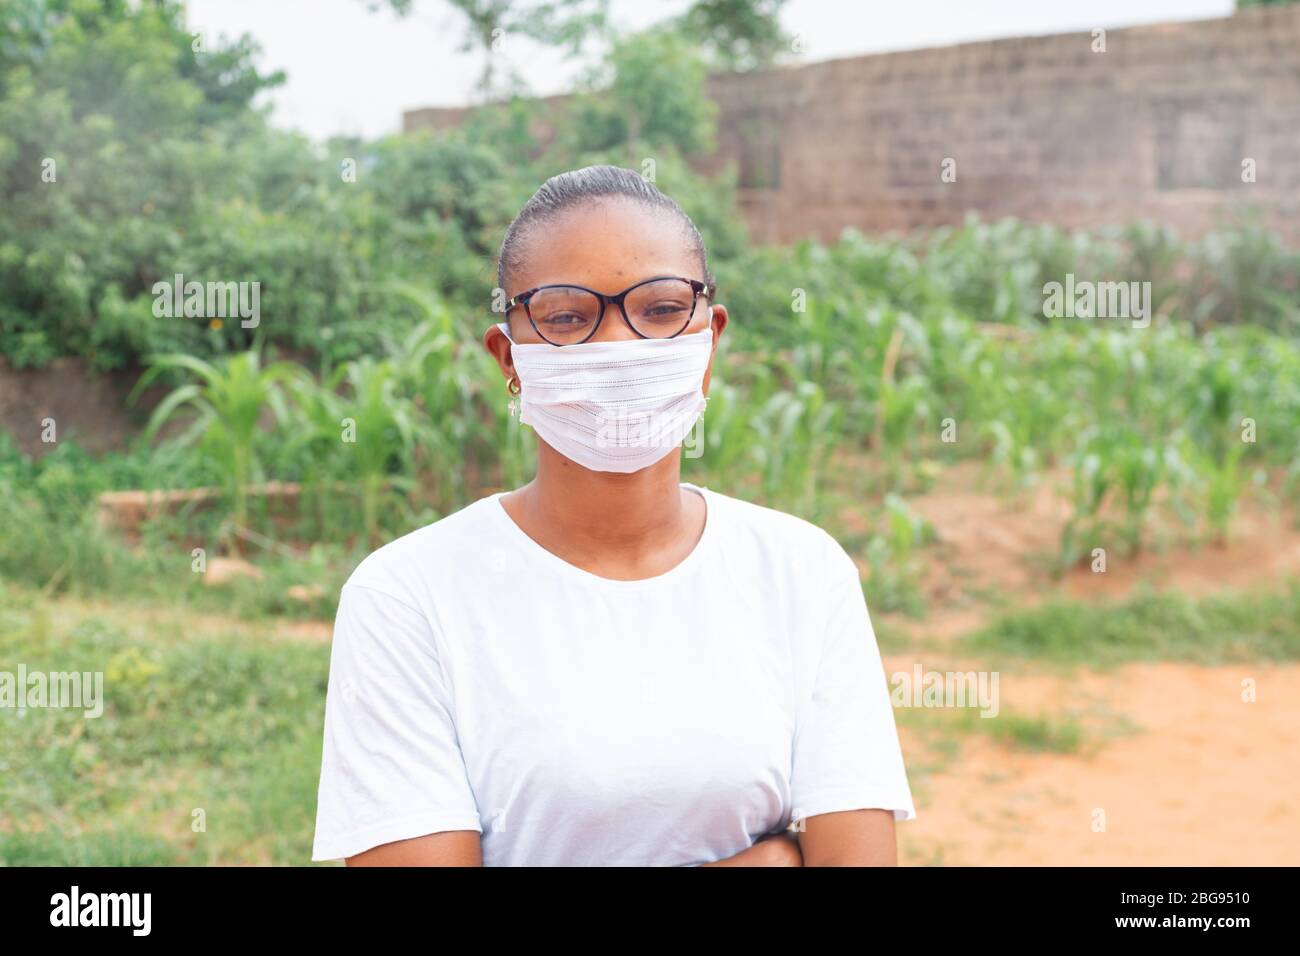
(841, 366)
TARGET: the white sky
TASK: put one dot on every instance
(353, 71)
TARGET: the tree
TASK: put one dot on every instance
(648, 91)
(563, 23)
(112, 143)
(727, 34)
(737, 34)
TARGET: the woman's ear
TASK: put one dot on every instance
(498, 346)
(717, 322)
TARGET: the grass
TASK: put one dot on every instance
(935, 738)
(942, 729)
(66, 552)
(1040, 734)
(218, 718)
(219, 725)
(1255, 626)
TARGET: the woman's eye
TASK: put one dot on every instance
(664, 310)
(565, 318)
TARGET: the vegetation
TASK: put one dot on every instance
(238, 753)
(853, 374)
(1215, 630)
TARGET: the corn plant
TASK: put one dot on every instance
(793, 435)
(1223, 490)
(1214, 414)
(725, 429)
(892, 556)
(1114, 466)
(1245, 275)
(228, 403)
(1139, 469)
(366, 430)
(462, 399)
(893, 392)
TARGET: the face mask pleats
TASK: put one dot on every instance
(614, 406)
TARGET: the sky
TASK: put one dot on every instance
(353, 71)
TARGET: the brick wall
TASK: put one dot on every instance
(1042, 128)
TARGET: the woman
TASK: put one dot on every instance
(608, 666)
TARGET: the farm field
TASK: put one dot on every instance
(1159, 738)
(1067, 458)
(1186, 771)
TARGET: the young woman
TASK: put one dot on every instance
(608, 665)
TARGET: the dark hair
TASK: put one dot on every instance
(565, 191)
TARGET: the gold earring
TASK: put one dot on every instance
(514, 388)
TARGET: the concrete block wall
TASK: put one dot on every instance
(1043, 128)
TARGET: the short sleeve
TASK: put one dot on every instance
(391, 767)
(846, 750)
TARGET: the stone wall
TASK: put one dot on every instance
(1043, 128)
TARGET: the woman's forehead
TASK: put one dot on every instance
(607, 245)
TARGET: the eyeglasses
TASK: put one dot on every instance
(658, 308)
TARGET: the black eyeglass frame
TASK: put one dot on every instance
(523, 298)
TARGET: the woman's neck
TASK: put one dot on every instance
(617, 525)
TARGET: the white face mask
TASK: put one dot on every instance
(613, 406)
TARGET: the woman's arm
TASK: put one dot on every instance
(449, 848)
(849, 838)
(462, 848)
(771, 849)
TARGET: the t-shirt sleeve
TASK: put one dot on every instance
(391, 767)
(846, 749)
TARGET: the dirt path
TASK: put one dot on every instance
(1184, 771)
(1005, 546)
(1205, 778)
(1199, 777)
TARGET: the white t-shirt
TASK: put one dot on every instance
(480, 682)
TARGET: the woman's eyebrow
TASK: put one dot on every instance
(649, 278)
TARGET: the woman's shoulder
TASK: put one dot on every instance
(780, 556)
(425, 553)
(769, 528)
